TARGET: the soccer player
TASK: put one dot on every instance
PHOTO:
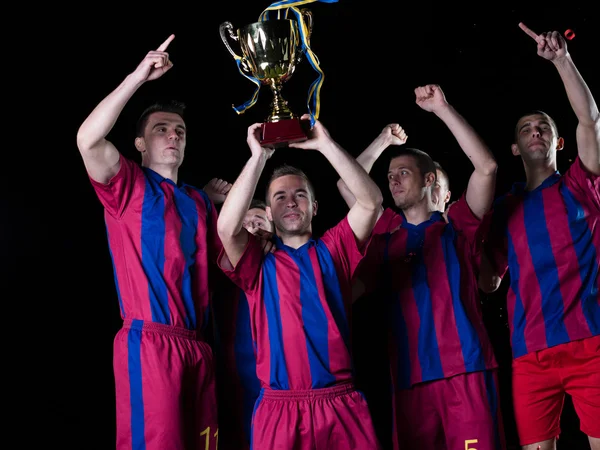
(163, 242)
(299, 299)
(546, 233)
(238, 385)
(442, 363)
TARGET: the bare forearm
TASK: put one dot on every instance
(579, 95)
(358, 181)
(470, 142)
(102, 119)
(240, 196)
(369, 155)
(366, 159)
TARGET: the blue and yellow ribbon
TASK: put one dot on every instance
(283, 8)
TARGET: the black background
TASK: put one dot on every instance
(373, 55)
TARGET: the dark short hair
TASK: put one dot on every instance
(532, 113)
(171, 106)
(439, 167)
(424, 162)
(286, 169)
(258, 203)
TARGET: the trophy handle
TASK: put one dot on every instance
(308, 18)
(226, 30)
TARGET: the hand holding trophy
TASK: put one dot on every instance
(270, 51)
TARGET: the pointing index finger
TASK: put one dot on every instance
(527, 30)
(165, 44)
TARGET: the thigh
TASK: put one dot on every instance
(538, 397)
(148, 391)
(581, 377)
(470, 410)
(200, 398)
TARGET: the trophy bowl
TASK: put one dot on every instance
(270, 52)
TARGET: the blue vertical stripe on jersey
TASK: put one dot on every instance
(429, 353)
(587, 258)
(543, 261)
(278, 369)
(187, 238)
(519, 346)
(136, 394)
(470, 344)
(314, 320)
(153, 250)
(333, 292)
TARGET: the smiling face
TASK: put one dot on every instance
(163, 140)
(291, 205)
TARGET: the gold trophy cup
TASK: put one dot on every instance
(271, 51)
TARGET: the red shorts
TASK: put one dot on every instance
(540, 381)
(461, 412)
(165, 388)
(335, 418)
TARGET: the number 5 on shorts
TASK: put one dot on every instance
(468, 442)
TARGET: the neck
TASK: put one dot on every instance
(167, 171)
(295, 240)
(418, 213)
(537, 173)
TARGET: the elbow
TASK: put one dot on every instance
(85, 142)
(490, 168)
(224, 230)
(377, 201)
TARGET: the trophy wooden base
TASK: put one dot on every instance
(279, 134)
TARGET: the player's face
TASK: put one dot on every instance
(406, 183)
(291, 205)
(440, 194)
(164, 139)
(256, 219)
(536, 138)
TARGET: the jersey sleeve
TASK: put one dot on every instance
(247, 271)
(115, 194)
(583, 184)
(462, 218)
(389, 220)
(342, 245)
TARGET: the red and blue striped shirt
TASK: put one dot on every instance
(549, 240)
(428, 273)
(163, 241)
(299, 302)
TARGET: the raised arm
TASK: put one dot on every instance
(100, 156)
(481, 187)
(363, 214)
(392, 134)
(231, 217)
(553, 47)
